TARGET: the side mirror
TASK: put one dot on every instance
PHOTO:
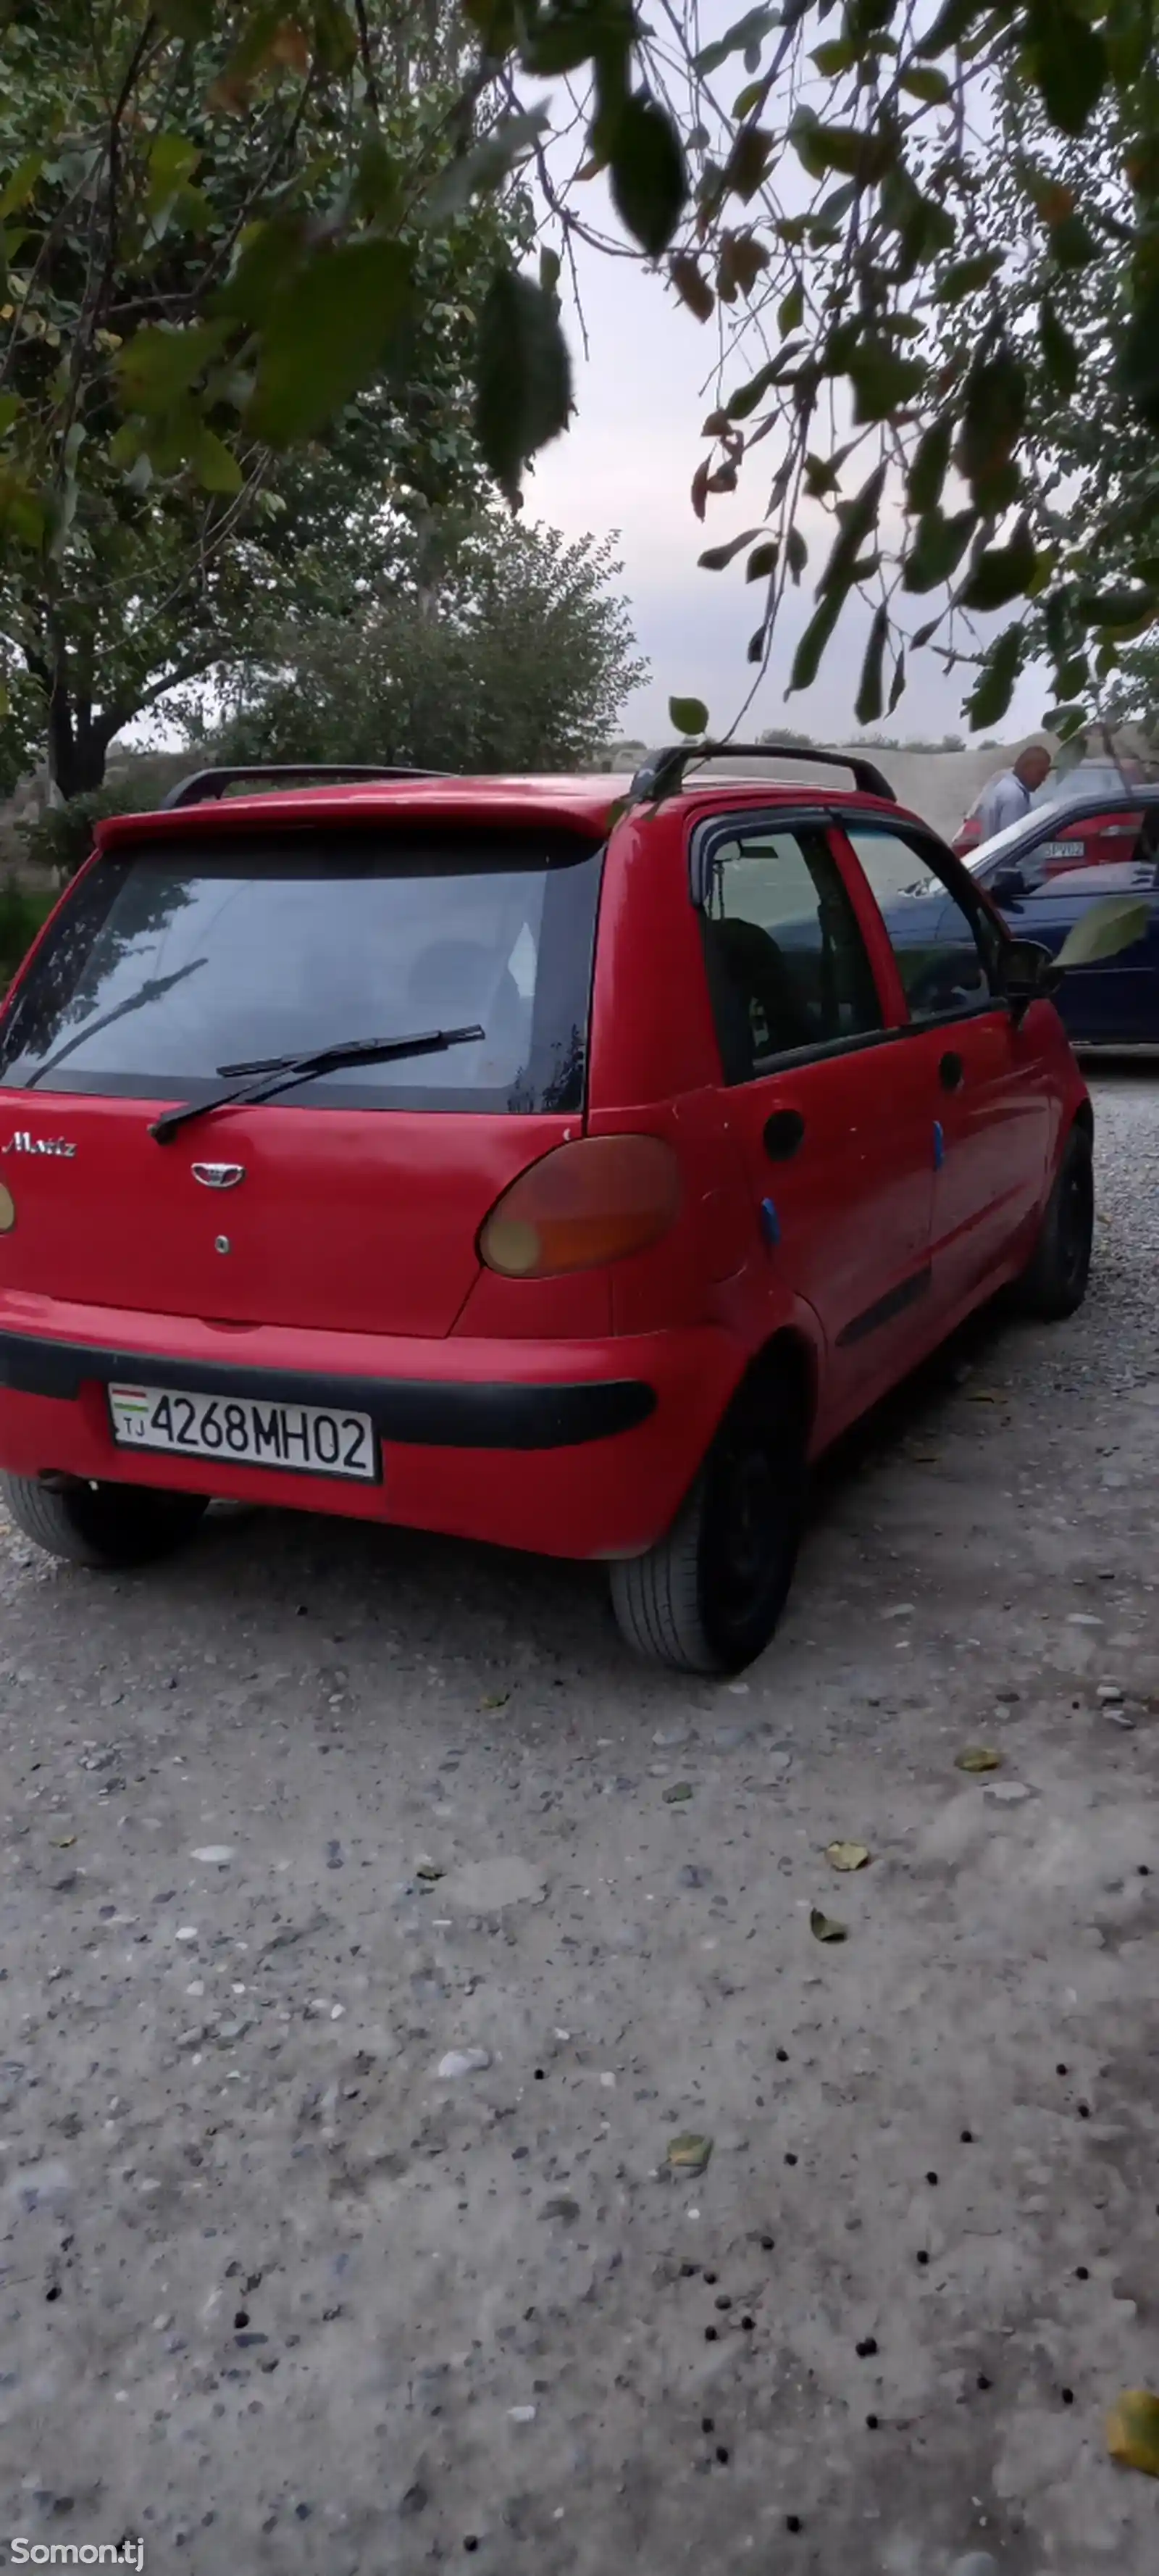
(1007, 886)
(1029, 974)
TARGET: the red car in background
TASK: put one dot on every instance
(514, 1158)
(1102, 778)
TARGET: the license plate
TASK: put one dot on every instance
(310, 1439)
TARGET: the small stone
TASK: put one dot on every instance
(1009, 1695)
(901, 1610)
(186, 1932)
(666, 1738)
(1109, 1694)
(414, 2501)
(1009, 1791)
(562, 2207)
(689, 1876)
(462, 2061)
(215, 1855)
(978, 2562)
(522, 2414)
(679, 1793)
(1083, 1619)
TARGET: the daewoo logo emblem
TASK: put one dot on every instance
(219, 1176)
(25, 1143)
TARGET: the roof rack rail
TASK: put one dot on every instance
(206, 785)
(662, 774)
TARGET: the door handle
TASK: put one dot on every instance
(784, 1131)
(951, 1073)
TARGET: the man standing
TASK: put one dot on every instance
(1006, 798)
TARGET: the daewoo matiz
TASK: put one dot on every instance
(517, 1158)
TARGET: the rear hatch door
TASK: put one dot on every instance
(353, 1201)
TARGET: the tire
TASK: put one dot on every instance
(102, 1525)
(1054, 1283)
(707, 1597)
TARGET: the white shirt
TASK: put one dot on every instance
(1005, 800)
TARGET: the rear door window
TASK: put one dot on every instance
(943, 938)
(181, 956)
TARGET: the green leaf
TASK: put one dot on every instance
(897, 689)
(929, 467)
(172, 161)
(856, 521)
(755, 651)
(926, 82)
(1063, 720)
(1105, 930)
(748, 162)
(808, 656)
(18, 188)
(716, 557)
(749, 30)
(1137, 368)
(991, 696)
(10, 407)
(522, 377)
(1059, 351)
(1003, 573)
(836, 56)
(158, 366)
(870, 692)
(967, 276)
(796, 554)
(825, 1927)
(327, 336)
(1067, 61)
(270, 256)
(791, 312)
(688, 716)
(483, 168)
(992, 423)
(1117, 608)
(762, 562)
(649, 180)
(215, 465)
(883, 383)
(549, 270)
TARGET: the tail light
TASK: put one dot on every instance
(583, 1205)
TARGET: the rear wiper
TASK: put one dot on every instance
(281, 1072)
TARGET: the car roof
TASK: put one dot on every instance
(587, 803)
(1060, 810)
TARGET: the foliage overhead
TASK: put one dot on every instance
(813, 183)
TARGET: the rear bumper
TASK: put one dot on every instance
(565, 1448)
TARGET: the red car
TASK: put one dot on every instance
(515, 1159)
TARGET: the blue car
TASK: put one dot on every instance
(1043, 873)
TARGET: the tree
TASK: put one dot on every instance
(523, 663)
(143, 546)
(815, 191)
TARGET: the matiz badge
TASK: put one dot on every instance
(24, 1143)
(219, 1176)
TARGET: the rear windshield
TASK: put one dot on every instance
(175, 958)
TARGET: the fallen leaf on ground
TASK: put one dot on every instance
(495, 1699)
(824, 1928)
(676, 1795)
(63, 1842)
(847, 1855)
(688, 2153)
(1133, 2431)
(978, 1757)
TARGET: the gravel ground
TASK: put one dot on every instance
(338, 2233)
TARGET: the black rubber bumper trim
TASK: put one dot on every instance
(434, 1415)
(871, 1321)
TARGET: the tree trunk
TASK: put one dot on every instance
(77, 747)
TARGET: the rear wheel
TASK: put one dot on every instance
(102, 1525)
(707, 1597)
(1055, 1282)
